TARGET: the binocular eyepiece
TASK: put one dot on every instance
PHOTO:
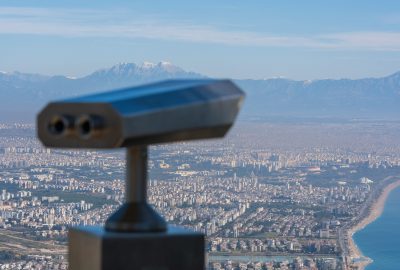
(84, 126)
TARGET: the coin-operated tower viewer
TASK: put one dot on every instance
(136, 237)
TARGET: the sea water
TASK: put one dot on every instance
(380, 240)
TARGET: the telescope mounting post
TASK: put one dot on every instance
(136, 215)
(136, 174)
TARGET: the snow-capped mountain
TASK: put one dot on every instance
(22, 95)
(145, 70)
(125, 74)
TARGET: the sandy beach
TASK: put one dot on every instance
(375, 211)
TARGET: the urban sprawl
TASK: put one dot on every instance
(269, 196)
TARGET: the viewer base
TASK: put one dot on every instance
(93, 248)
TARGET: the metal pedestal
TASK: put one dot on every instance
(94, 248)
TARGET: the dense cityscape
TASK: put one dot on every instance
(269, 196)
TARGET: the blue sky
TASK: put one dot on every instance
(238, 39)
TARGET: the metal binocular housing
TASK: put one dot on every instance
(162, 112)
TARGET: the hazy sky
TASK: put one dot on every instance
(239, 39)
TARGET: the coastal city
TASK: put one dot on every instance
(268, 196)
(200, 135)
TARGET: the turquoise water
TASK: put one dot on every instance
(380, 240)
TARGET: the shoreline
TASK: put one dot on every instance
(375, 212)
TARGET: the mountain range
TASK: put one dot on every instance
(22, 95)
